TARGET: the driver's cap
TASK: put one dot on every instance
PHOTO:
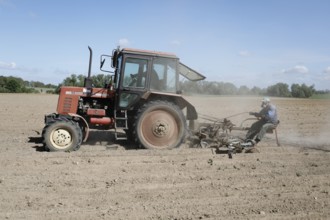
(265, 100)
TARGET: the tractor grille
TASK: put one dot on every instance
(67, 104)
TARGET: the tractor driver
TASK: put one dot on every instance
(267, 119)
(155, 82)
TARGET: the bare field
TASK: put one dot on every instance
(103, 180)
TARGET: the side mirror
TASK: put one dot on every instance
(106, 63)
(114, 58)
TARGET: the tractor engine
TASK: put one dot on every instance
(95, 106)
(96, 112)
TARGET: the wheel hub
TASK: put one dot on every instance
(160, 128)
(61, 137)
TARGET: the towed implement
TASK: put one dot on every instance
(224, 136)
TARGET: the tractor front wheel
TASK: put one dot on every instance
(62, 136)
(159, 125)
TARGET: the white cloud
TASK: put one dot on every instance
(14, 68)
(123, 42)
(175, 42)
(7, 66)
(58, 71)
(326, 75)
(327, 70)
(297, 69)
(244, 53)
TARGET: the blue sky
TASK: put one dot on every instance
(245, 42)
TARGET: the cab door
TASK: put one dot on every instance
(133, 81)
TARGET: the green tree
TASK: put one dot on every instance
(308, 90)
(243, 90)
(71, 80)
(13, 85)
(295, 88)
(229, 89)
(78, 80)
(212, 88)
(302, 91)
(3, 81)
(279, 89)
(100, 80)
(256, 91)
(190, 87)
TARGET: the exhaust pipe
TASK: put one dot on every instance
(90, 61)
(88, 80)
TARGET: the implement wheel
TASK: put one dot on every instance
(159, 125)
(62, 136)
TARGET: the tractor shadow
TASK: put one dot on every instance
(39, 146)
(107, 139)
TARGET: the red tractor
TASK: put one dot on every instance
(141, 103)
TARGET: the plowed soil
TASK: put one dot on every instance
(112, 180)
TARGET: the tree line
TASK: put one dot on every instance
(214, 88)
(17, 85)
(99, 81)
(225, 88)
(10, 84)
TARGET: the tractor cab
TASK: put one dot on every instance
(140, 73)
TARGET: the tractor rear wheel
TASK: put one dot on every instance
(159, 125)
(62, 136)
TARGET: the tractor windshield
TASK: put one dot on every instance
(189, 73)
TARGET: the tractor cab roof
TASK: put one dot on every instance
(184, 70)
(149, 53)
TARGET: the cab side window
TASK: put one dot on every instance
(164, 77)
(135, 73)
